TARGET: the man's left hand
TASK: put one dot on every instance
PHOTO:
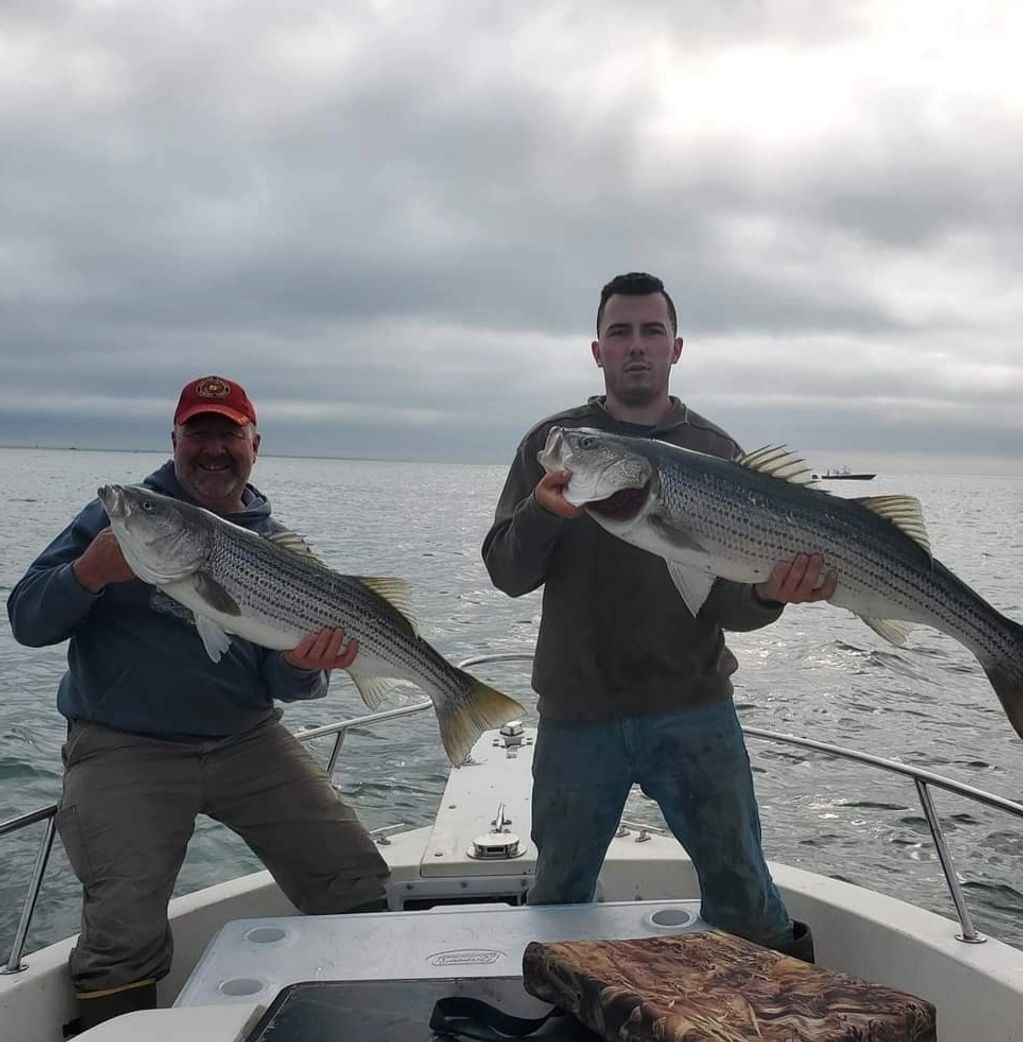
(798, 581)
(323, 651)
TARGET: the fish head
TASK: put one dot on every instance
(608, 476)
(163, 540)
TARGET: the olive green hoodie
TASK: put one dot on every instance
(616, 639)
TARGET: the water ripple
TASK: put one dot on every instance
(818, 672)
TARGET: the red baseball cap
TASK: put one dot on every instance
(215, 394)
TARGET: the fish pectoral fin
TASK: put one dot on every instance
(893, 630)
(396, 592)
(214, 639)
(904, 512)
(375, 690)
(213, 594)
(294, 542)
(693, 585)
(675, 535)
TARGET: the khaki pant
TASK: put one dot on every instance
(127, 813)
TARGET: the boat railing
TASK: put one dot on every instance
(923, 781)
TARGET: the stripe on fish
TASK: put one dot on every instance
(273, 591)
(712, 518)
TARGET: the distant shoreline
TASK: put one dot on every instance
(262, 455)
(881, 471)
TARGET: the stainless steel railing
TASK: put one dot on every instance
(48, 814)
(922, 779)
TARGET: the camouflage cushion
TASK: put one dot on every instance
(712, 987)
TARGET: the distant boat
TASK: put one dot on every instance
(842, 474)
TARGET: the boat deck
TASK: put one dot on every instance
(239, 944)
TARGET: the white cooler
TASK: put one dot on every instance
(250, 960)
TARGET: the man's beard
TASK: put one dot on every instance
(214, 485)
(637, 394)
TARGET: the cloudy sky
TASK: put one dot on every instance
(390, 220)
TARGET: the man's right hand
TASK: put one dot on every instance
(102, 563)
(550, 494)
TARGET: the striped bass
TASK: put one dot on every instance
(273, 591)
(709, 518)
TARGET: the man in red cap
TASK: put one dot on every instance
(215, 442)
(158, 733)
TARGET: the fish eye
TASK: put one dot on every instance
(587, 441)
(147, 505)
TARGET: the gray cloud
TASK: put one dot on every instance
(391, 221)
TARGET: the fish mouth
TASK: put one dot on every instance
(112, 498)
(623, 505)
(549, 457)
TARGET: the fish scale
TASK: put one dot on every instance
(851, 541)
(272, 594)
(736, 519)
(302, 595)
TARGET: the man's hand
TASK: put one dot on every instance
(550, 494)
(101, 563)
(323, 651)
(798, 581)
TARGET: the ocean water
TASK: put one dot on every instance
(818, 672)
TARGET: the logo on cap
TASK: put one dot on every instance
(215, 394)
(212, 387)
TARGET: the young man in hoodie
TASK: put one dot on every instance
(632, 688)
(158, 733)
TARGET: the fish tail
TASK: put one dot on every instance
(1006, 676)
(463, 720)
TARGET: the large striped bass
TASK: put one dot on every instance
(273, 591)
(709, 517)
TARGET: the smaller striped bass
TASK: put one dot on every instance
(273, 591)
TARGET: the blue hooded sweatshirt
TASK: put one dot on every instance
(135, 659)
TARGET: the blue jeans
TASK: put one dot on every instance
(695, 765)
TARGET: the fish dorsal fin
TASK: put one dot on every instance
(292, 541)
(904, 512)
(396, 592)
(780, 462)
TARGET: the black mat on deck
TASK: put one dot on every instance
(382, 1011)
